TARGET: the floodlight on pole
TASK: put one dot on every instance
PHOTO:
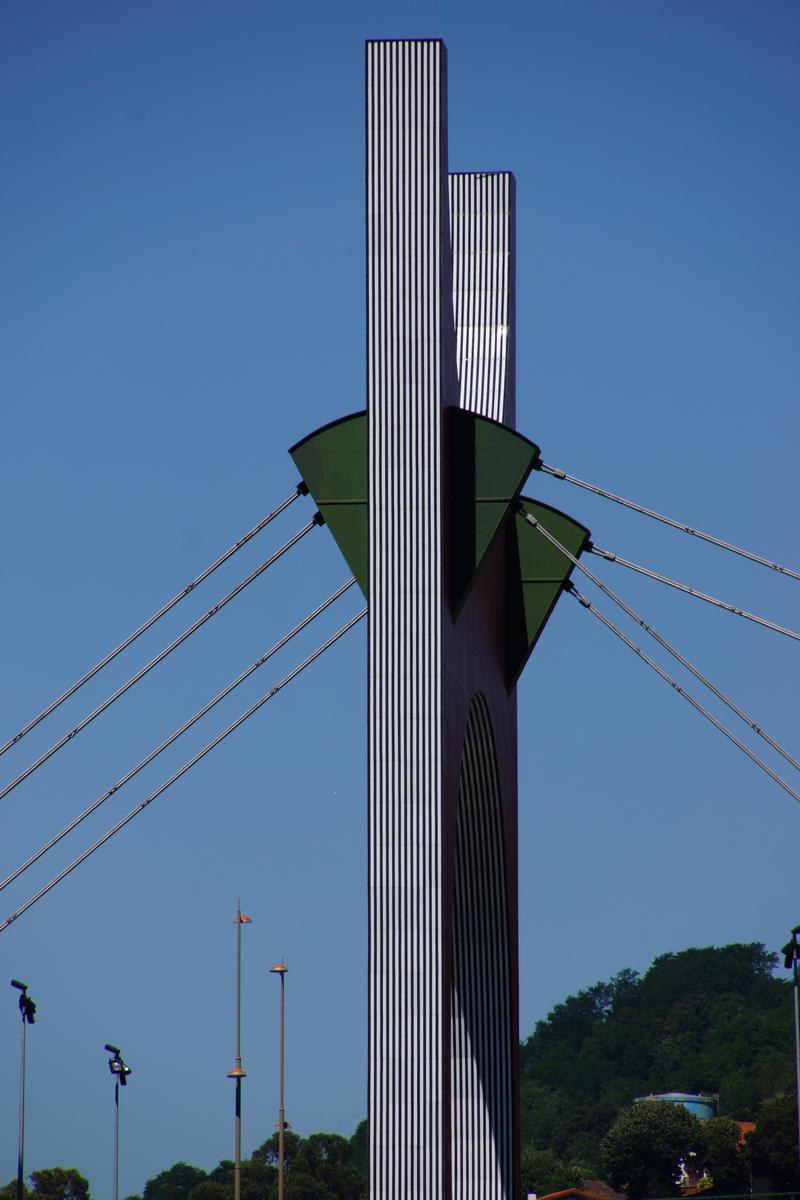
(237, 1072)
(281, 970)
(791, 960)
(27, 1010)
(120, 1071)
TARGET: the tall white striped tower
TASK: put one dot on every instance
(422, 494)
(442, 1013)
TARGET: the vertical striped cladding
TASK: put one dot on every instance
(482, 232)
(407, 262)
(483, 1022)
(481, 1033)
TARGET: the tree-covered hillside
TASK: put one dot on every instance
(710, 1020)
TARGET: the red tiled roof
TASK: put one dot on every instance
(595, 1189)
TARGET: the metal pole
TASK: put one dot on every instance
(116, 1139)
(791, 954)
(21, 1148)
(281, 1111)
(237, 1162)
(797, 1052)
(280, 969)
(120, 1070)
(238, 1073)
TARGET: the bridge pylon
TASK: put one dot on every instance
(423, 493)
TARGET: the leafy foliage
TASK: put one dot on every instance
(317, 1167)
(643, 1149)
(711, 1020)
(324, 1166)
(174, 1184)
(359, 1148)
(719, 1153)
(541, 1172)
(59, 1183)
(772, 1149)
(9, 1192)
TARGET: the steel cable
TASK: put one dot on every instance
(220, 696)
(662, 641)
(245, 716)
(609, 556)
(165, 608)
(649, 512)
(212, 612)
(584, 600)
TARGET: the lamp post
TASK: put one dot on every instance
(280, 969)
(120, 1070)
(237, 1072)
(27, 1010)
(791, 958)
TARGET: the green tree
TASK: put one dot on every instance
(210, 1189)
(318, 1167)
(643, 1149)
(223, 1172)
(59, 1183)
(329, 1160)
(359, 1148)
(710, 1019)
(719, 1152)
(175, 1183)
(541, 1171)
(9, 1192)
(267, 1152)
(258, 1180)
(772, 1147)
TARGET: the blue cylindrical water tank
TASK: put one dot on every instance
(702, 1106)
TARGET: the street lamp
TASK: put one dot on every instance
(281, 969)
(237, 1072)
(27, 1010)
(791, 959)
(120, 1070)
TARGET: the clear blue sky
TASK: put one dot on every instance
(181, 219)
